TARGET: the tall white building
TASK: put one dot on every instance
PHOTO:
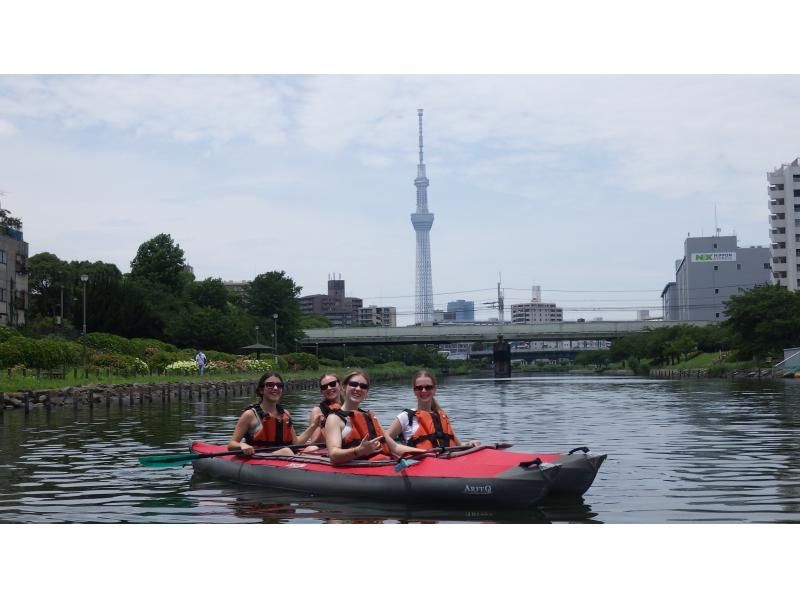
(784, 233)
(536, 311)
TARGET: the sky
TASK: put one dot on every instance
(586, 185)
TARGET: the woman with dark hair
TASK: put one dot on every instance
(331, 389)
(427, 426)
(352, 433)
(267, 424)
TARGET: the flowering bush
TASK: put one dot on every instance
(185, 368)
(240, 366)
(140, 367)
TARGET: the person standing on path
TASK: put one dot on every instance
(201, 361)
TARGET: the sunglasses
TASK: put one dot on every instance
(329, 385)
(274, 384)
(424, 387)
(361, 385)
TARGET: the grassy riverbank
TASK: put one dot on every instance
(18, 382)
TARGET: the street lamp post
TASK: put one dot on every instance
(256, 334)
(275, 337)
(61, 284)
(84, 280)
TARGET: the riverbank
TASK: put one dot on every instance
(132, 392)
(704, 373)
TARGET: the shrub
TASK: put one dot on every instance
(331, 363)
(184, 368)
(45, 354)
(7, 332)
(159, 360)
(144, 347)
(302, 361)
(359, 362)
(220, 356)
(105, 342)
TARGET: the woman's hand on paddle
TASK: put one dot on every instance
(474, 442)
(317, 420)
(246, 448)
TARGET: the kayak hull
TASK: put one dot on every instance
(485, 477)
(578, 471)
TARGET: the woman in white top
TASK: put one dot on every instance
(428, 426)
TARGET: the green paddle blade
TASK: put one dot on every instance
(168, 460)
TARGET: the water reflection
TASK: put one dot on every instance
(276, 506)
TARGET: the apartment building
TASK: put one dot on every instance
(13, 277)
(378, 316)
(784, 193)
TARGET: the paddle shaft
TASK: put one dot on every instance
(184, 457)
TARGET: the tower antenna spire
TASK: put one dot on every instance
(419, 113)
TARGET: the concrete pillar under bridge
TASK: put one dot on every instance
(502, 358)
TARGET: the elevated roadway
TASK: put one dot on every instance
(464, 333)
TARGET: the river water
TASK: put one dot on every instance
(678, 451)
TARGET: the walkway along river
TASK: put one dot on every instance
(680, 450)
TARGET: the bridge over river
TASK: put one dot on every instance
(489, 332)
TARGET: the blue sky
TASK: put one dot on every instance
(584, 185)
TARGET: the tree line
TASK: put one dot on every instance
(160, 298)
(760, 324)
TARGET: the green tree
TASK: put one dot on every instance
(7, 221)
(210, 292)
(210, 329)
(47, 274)
(275, 293)
(113, 304)
(160, 261)
(763, 321)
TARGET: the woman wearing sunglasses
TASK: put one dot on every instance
(331, 388)
(428, 426)
(267, 424)
(355, 433)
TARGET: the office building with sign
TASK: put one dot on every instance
(713, 270)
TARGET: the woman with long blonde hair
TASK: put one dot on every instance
(427, 426)
(352, 433)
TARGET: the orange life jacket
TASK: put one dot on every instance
(434, 429)
(275, 431)
(362, 423)
(328, 408)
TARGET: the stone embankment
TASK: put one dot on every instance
(130, 394)
(702, 373)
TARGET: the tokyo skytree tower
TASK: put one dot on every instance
(422, 220)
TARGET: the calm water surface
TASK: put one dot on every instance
(679, 451)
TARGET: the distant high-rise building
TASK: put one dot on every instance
(713, 270)
(463, 311)
(784, 233)
(13, 276)
(536, 311)
(378, 316)
(339, 310)
(422, 220)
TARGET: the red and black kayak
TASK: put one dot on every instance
(479, 475)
